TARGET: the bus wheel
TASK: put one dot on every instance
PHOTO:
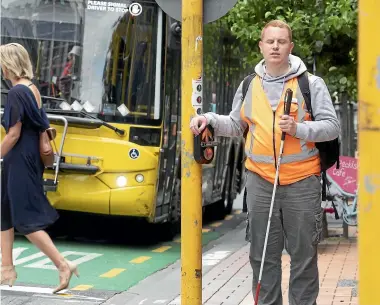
(169, 230)
(224, 206)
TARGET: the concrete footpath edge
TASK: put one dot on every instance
(164, 286)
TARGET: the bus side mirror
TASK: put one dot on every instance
(204, 146)
(176, 29)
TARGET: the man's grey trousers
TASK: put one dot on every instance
(296, 221)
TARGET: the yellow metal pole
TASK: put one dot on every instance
(191, 172)
(369, 152)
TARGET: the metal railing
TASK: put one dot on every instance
(58, 153)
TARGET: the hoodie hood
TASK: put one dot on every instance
(297, 67)
(274, 86)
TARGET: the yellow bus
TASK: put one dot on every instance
(110, 76)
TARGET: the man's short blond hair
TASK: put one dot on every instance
(277, 24)
(16, 61)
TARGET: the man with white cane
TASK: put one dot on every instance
(309, 147)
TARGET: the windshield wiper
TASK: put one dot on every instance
(120, 132)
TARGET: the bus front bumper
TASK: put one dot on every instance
(89, 194)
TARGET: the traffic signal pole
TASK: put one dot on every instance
(191, 172)
(369, 152)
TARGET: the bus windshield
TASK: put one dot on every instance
(97, 56)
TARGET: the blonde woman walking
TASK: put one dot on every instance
(24, 205)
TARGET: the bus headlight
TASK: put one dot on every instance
(139, 178)
(121, 181)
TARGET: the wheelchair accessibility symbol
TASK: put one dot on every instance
(134, 153)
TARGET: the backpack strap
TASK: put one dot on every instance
(303, 81)
(246, 82)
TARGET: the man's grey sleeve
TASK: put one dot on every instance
(229, 125)
(325, 126)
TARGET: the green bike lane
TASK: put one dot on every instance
(102, 266)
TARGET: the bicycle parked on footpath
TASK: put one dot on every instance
(342, 193)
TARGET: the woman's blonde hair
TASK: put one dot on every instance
(16, 61)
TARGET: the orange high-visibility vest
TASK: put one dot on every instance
(300, 159)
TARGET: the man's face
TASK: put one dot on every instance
(276, 45)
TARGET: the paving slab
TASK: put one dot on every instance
(227, 276)
(338, 267)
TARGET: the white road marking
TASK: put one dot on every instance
(85, 257)
(18, 251)
(70, 297)
(176, 301)
(45, 263)
(44, 292)
(214, 258)
(31, 289)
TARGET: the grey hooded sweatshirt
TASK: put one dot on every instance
(326, 126)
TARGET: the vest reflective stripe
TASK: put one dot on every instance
(300, 158)
(261, 159)
(285, 159)
(251, 130)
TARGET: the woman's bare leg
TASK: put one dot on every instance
(8, 272)
(7, 239)
(43, 241)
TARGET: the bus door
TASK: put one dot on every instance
(169, 162)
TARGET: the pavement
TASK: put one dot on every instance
(338, 267)
(227, 276)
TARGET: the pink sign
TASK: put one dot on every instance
(346, 175)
